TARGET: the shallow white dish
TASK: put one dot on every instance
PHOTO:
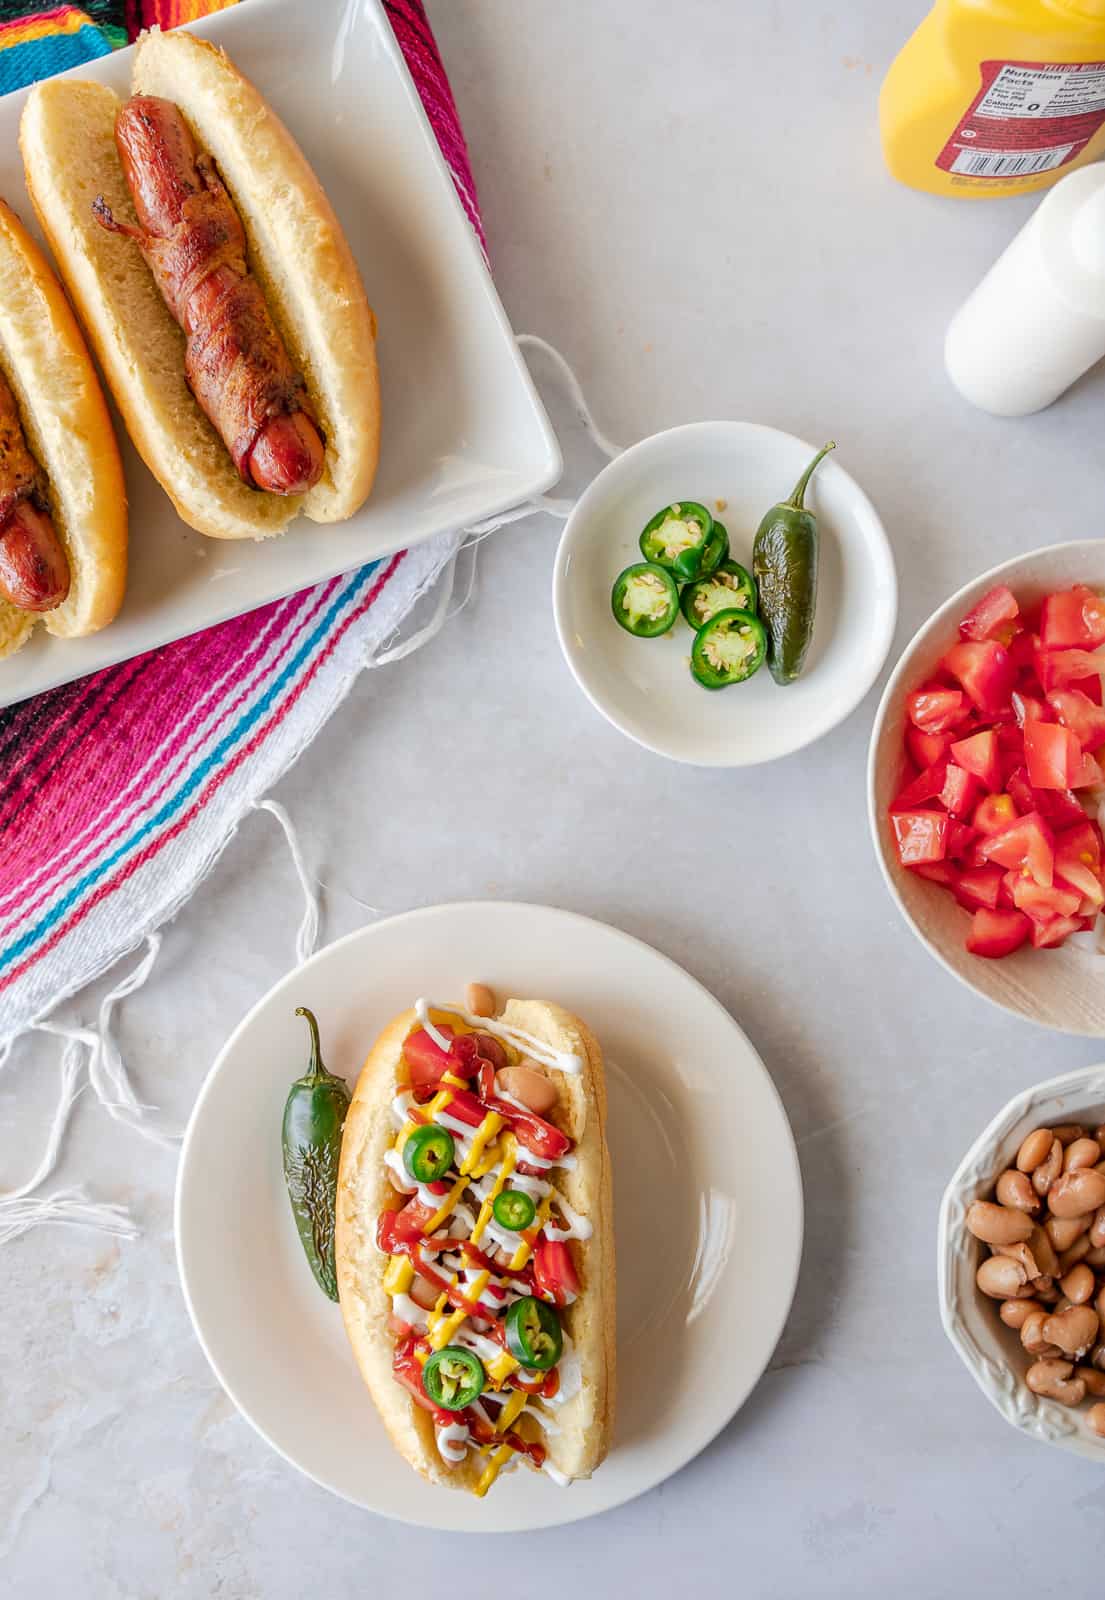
(991, 1352)
(707, 1194)
(464, 434)
(1062, 988)
(644, 686)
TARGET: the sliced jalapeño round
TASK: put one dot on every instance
(513, 1209)
(533, 1334)
(453, 1377)
(730, 587)
(428, 1153)
(728, 649)
(678, 538)
(645, 600)
(716, 551)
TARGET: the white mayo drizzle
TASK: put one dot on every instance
(562, 1060)
(406, 1309)
(578, 1227)
(393, 1161)
(571, 1376)
(555, 1474)
(544, 1419)
(452, 1441)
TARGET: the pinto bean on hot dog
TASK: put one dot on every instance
(195, 245)
(269, 403)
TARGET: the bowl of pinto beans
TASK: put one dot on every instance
(1021, 1262)
(986, 786)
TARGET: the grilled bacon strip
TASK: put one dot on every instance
(193, 240)
(34, 571)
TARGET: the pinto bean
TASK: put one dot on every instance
(1014, 1189)
(1075, 1193)
(527, 1083)
(1052, 1380)
(1046, 1173)
(1082, 1153)
(997, 1225)
(1073, 1330)
(1034, 1150)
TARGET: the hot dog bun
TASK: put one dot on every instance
(585, 1421)
(66, 423)
(296, 249)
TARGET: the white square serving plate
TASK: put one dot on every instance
(464, 434)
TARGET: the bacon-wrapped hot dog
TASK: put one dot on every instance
(34, 571)
(193, 240)
(232, 325)
(63, 507)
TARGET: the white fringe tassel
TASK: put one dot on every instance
(21, 1209)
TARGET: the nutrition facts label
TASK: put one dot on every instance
(1028, 117)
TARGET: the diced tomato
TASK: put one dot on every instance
(936, 710)
(1042, 904)
(925, 786)
(1078, 863)
(407, 1226)
(1058, 669)
(1073, 619)
(937, 872)
(960, 792)
(978, 886)
(1027, 843)
(926, 749)
(1089, 774)
(994, 814)
(1006, 887)
(984, 669)
(961, 839)
(426, 1060)
(994, 617)
(1030, 708)
(1022, 649)
(920, 836)
(1047, 935)
(1052, 755)
(979, 755)
(554, 1271)
(997, 933)
(1078, 712)
(1090, 687)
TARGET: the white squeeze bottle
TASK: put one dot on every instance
(1036, 322)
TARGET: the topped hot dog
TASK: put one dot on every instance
(474, 1241)
(63, 509)
(236, 337)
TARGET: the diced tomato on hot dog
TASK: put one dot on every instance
(554, 1271)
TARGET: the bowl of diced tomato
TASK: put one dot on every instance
(986, 785)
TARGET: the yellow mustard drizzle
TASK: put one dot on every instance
(525, 1249)
(510, 1156)
(495, 1465)
(431, 1108)
(487, 1130)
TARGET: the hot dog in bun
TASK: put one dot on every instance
(474, 1240)
(63, 503)
(216, 284)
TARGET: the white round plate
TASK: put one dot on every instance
(644, 686)
(708, 1201)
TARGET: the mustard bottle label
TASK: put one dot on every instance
(1028, 117)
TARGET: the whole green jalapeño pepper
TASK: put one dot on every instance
(533, 1334)
(784, 560)
(313, 1118)
(678, 538)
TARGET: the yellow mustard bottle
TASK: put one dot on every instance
(996, 97)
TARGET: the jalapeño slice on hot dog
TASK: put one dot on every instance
(533, 1333)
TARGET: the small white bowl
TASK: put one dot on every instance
(991, 1352)
(1061, 989)
(644, 686)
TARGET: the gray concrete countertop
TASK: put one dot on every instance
(690, 202)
